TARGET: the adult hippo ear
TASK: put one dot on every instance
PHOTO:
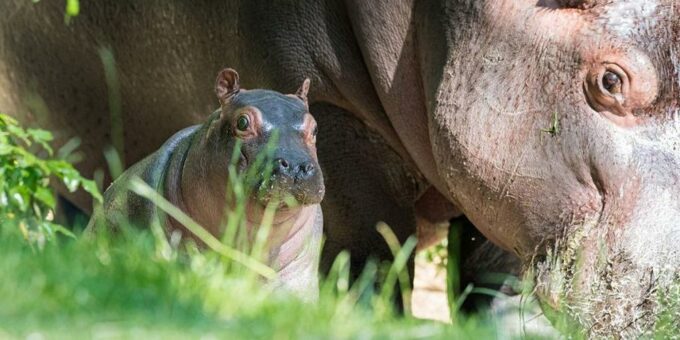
(303, 90)
(579, 4)
(227, 85)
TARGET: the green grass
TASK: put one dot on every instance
(124, 286)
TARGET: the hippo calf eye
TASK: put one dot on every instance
(315, 131)
(243, 123)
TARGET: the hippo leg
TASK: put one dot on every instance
(366, 183)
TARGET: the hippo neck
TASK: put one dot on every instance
(288, 234)
(295, 256)
(191, 183)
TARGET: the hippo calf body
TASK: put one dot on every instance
(191, 170)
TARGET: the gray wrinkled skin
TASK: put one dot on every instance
(606, 192)
(459, 90)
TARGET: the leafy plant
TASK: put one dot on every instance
(27, 200)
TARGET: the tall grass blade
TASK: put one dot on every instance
(115, 101)
(453, 268)
(141, 188)
(398, 270)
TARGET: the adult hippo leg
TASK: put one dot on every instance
(361, 192)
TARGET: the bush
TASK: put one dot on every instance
(27, 201)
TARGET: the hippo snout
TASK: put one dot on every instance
(298, 171)
(611, 273)
(300, 179)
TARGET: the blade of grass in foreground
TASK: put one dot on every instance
(398, 270)
(144, 190)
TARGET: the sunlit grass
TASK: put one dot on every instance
(125, 285)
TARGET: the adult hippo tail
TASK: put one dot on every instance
(553, 125)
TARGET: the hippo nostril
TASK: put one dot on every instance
(281, 163)
(280, 166)
(307, 168)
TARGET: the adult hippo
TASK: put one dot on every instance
(553, 125)
(260, 145)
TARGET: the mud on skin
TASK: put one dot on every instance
(192, 171)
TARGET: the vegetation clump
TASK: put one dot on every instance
(27, 200)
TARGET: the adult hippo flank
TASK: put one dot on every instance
(552, 125)
(193, 168)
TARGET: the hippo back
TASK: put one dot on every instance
(153, 169)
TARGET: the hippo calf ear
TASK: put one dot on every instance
(227, 85)
(303, 90)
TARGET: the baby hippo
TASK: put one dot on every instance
(191, 170)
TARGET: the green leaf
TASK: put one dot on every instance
(47, 230)
(68, 175)
(24, 158)
(5, 149)
(58, 228)
(4, 201)
(57, 165)
(46, 196)
(91, 187)
(72, 8)
(18, 132)
(19, 198)
(71, 182)
(7, 120)
(40, 135)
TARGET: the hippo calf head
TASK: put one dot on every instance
(557, 129)
(257, 151)
(277, 134)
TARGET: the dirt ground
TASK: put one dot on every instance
(429, 292)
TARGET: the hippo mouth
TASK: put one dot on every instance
(286, 193)
(591, 284)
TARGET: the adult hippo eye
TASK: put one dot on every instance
(243, 123)
(606, 88)
(611, 82)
